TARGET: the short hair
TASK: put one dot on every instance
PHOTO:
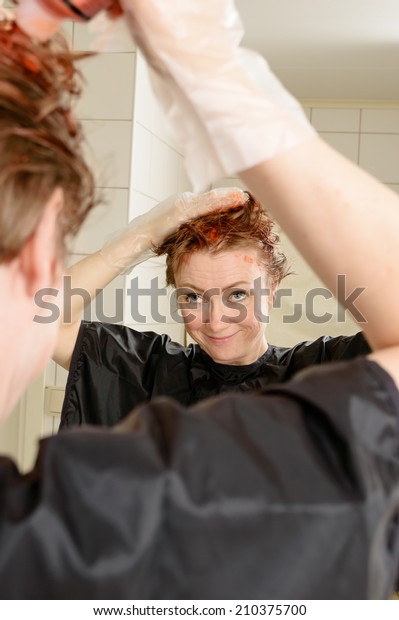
(40, 141)
(245, 225)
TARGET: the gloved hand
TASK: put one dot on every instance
(225, 107)
(135, 243)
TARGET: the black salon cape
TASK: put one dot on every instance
(115, 368)
(289, 494)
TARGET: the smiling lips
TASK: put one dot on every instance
(219, 339)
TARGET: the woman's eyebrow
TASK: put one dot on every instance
(240, 284)
(188, 286)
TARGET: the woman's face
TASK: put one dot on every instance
(224, 301)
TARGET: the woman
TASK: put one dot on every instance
(225, 267)
(288, 493)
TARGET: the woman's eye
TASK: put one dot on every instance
(238, 296)
(192, 298)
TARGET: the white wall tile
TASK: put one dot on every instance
(104, 221)
(108, 306)
(140, 203)
(109, 89)
(185, 184)
(9, 436)
(229, 182)
(47, 428)
(141, 159)
(148, 300)
(50, 373)
(108, 151)
(380, 121)
(165, 170)
(157, 262)
(303, 302)
(346, 143)
(379, 155)
(287, 335)
(147, 110)
(340, 120)
(61, 376)
(84, 38)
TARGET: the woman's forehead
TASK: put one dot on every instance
(206, 268)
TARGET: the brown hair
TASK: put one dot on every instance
(40, 141)
(244, 225)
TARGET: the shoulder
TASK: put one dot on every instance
(323, 349)
(125, 337)
(108, 342)
(356, 398)
(357, 388)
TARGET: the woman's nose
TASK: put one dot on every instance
(213, 310)
(217, 314)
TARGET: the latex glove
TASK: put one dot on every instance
(224, 106)
(135, 243)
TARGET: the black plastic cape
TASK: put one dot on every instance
(287, 494)
(114, 368)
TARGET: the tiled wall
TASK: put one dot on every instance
(369, 136)
(157, 173)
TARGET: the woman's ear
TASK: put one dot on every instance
(41, 258)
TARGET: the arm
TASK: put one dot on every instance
(91, 274)
(131, 247)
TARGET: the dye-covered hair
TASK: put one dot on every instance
(40, 141)
(246, 225)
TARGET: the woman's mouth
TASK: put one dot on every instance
(219, 340)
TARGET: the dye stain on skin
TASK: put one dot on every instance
(248, 259)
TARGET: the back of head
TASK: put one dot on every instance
(246, 225)
(40, 141)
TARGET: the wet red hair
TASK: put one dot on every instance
(246, 225)
(40, 141)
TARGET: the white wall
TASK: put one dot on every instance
(157, 173)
